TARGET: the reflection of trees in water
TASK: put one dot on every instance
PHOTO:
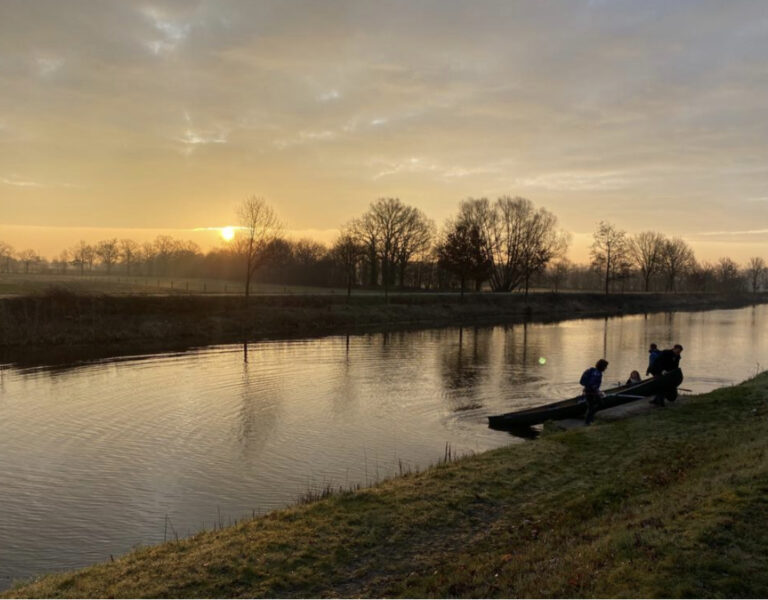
(523, 346)
(464, 362)
(258, 411)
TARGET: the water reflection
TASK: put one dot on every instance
(97, 456)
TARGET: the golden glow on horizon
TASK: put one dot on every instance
(227, 233)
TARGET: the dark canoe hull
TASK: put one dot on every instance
(575, 408)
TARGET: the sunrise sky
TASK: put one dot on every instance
(131, 118)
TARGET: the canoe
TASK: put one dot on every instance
(576, 407)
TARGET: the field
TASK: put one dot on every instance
(13, 284)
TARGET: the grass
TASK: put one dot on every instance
(19, 284)
(673, 503)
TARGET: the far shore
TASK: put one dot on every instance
(57, 325)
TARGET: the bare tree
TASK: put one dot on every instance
(392, 234)
(462, 253)
(6, 254)
(701, 276)
(149, 256)
(108, 252)
(164, 247)
(347, 252)
(728, 276)
(558, 272)
(389, 216)
(28, 257)
(308, 252)
(63, 261)
(542, 242)
(415, 238)
(479, 216)
(756, 271)
(519, 239)
(646, 250)
(506, 243)
(677, 259)
(82, 254)
(259, 228)
(129, 251)
(610, 252)
(365, 230)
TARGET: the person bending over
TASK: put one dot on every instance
(591, 379)
(668, 360)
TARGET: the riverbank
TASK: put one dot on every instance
(671, 503)
(59, 319)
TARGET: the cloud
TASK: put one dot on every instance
(733, 233)
(20, 182)
(173, 32)
(578, 181)
(48, 65)
(577, 105)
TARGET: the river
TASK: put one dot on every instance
(100, 457)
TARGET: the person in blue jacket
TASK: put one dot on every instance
(591, 379)
(653, 354)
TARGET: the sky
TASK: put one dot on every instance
(133, 119)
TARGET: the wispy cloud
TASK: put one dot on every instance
(416, 164)
(20, 182)
(577, 180)
(192, 136)
(742, 232)
(305, 137)
(173, 33)
(29, 183)
(48, 65)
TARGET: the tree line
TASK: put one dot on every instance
(504, 245)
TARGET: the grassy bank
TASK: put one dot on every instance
(62, 318)
(670, 503)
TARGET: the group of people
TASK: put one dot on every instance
(659, 362)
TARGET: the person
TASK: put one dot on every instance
(653, 354)
(634, 377)
(591, 379)
(668, 360)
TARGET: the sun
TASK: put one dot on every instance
(227, 233)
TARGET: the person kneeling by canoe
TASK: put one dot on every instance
(591, 379)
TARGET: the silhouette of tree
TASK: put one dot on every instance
(610, 252)
(259, 229)
(347, 252)
(82, 254)
(108, 252)
(129, 251)
(463, 253)
(6, 254)
(28, 257)
(646, 250)
(677, 259)
(756, 271)
(728, 276)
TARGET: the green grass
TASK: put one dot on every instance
(673, 503)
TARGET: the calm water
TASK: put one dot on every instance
(98, 458)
